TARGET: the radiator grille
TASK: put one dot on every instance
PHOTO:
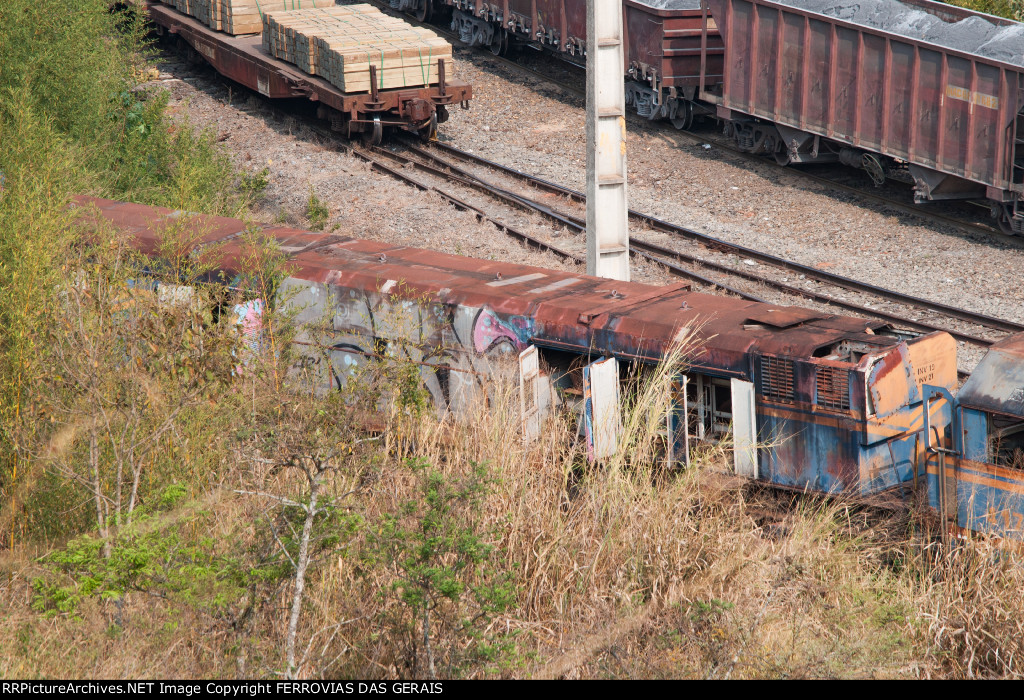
(777, 379)
(833, 388)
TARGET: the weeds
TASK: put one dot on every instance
(73, 120)
(446, 574)
(316, 211)
(253, 185)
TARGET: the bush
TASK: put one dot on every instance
(73, 120)
(1010, 9)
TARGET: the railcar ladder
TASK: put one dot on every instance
(1018, 150)
(1017, 157)
(946, 495)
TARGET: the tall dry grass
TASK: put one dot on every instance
(556, 567)
(623, 569)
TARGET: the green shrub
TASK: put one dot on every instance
(316, 211)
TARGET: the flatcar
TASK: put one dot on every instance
(805, 400)
(367, 114)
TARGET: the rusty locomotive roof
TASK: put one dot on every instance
(569, 310)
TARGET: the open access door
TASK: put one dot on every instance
(529, 393)
(602, 421)
(677, 444)
(744, 429)
(942, 452)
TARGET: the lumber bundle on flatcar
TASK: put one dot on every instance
(240, 16)
(340, 44)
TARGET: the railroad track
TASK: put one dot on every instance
(676, 262)
(431, 159)
(428, 158)
(698, 138)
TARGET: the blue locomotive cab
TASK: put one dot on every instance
(975, 465)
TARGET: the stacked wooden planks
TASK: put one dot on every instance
(240, 16)
(340, 44)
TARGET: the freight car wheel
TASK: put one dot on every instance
(683, 116)
(1004, 215)
(429, 132)
(425, 10)
(499, 45)
(873, 167)
(375, 134)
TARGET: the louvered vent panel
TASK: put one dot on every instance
(833, 390)
(777, 379)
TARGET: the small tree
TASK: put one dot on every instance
(444, 571)
(129, 359)
(322, 524)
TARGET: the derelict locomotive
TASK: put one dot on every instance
(806, 400)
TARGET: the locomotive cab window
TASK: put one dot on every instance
(1006, 447)
(710, 406)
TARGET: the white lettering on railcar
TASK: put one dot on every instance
(972, 96)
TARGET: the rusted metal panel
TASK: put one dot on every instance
(933, 360)
(966, 489)
(891, 382)
(622, 318)
(559, 22)
(985, 498)
(667, 44)
(997, 384)
(950, 111)
(783, 316)
(803, 450)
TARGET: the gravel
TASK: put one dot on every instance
(527, 123)
(975, 35)
(523, 122)
(362, 203)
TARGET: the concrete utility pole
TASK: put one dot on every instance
(607, 229)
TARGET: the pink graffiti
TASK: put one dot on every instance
(249, 319)
(488, 331)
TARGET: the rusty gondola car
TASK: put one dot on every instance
(807, 400)
(814, 83)
(804, 86)
(243, 60)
